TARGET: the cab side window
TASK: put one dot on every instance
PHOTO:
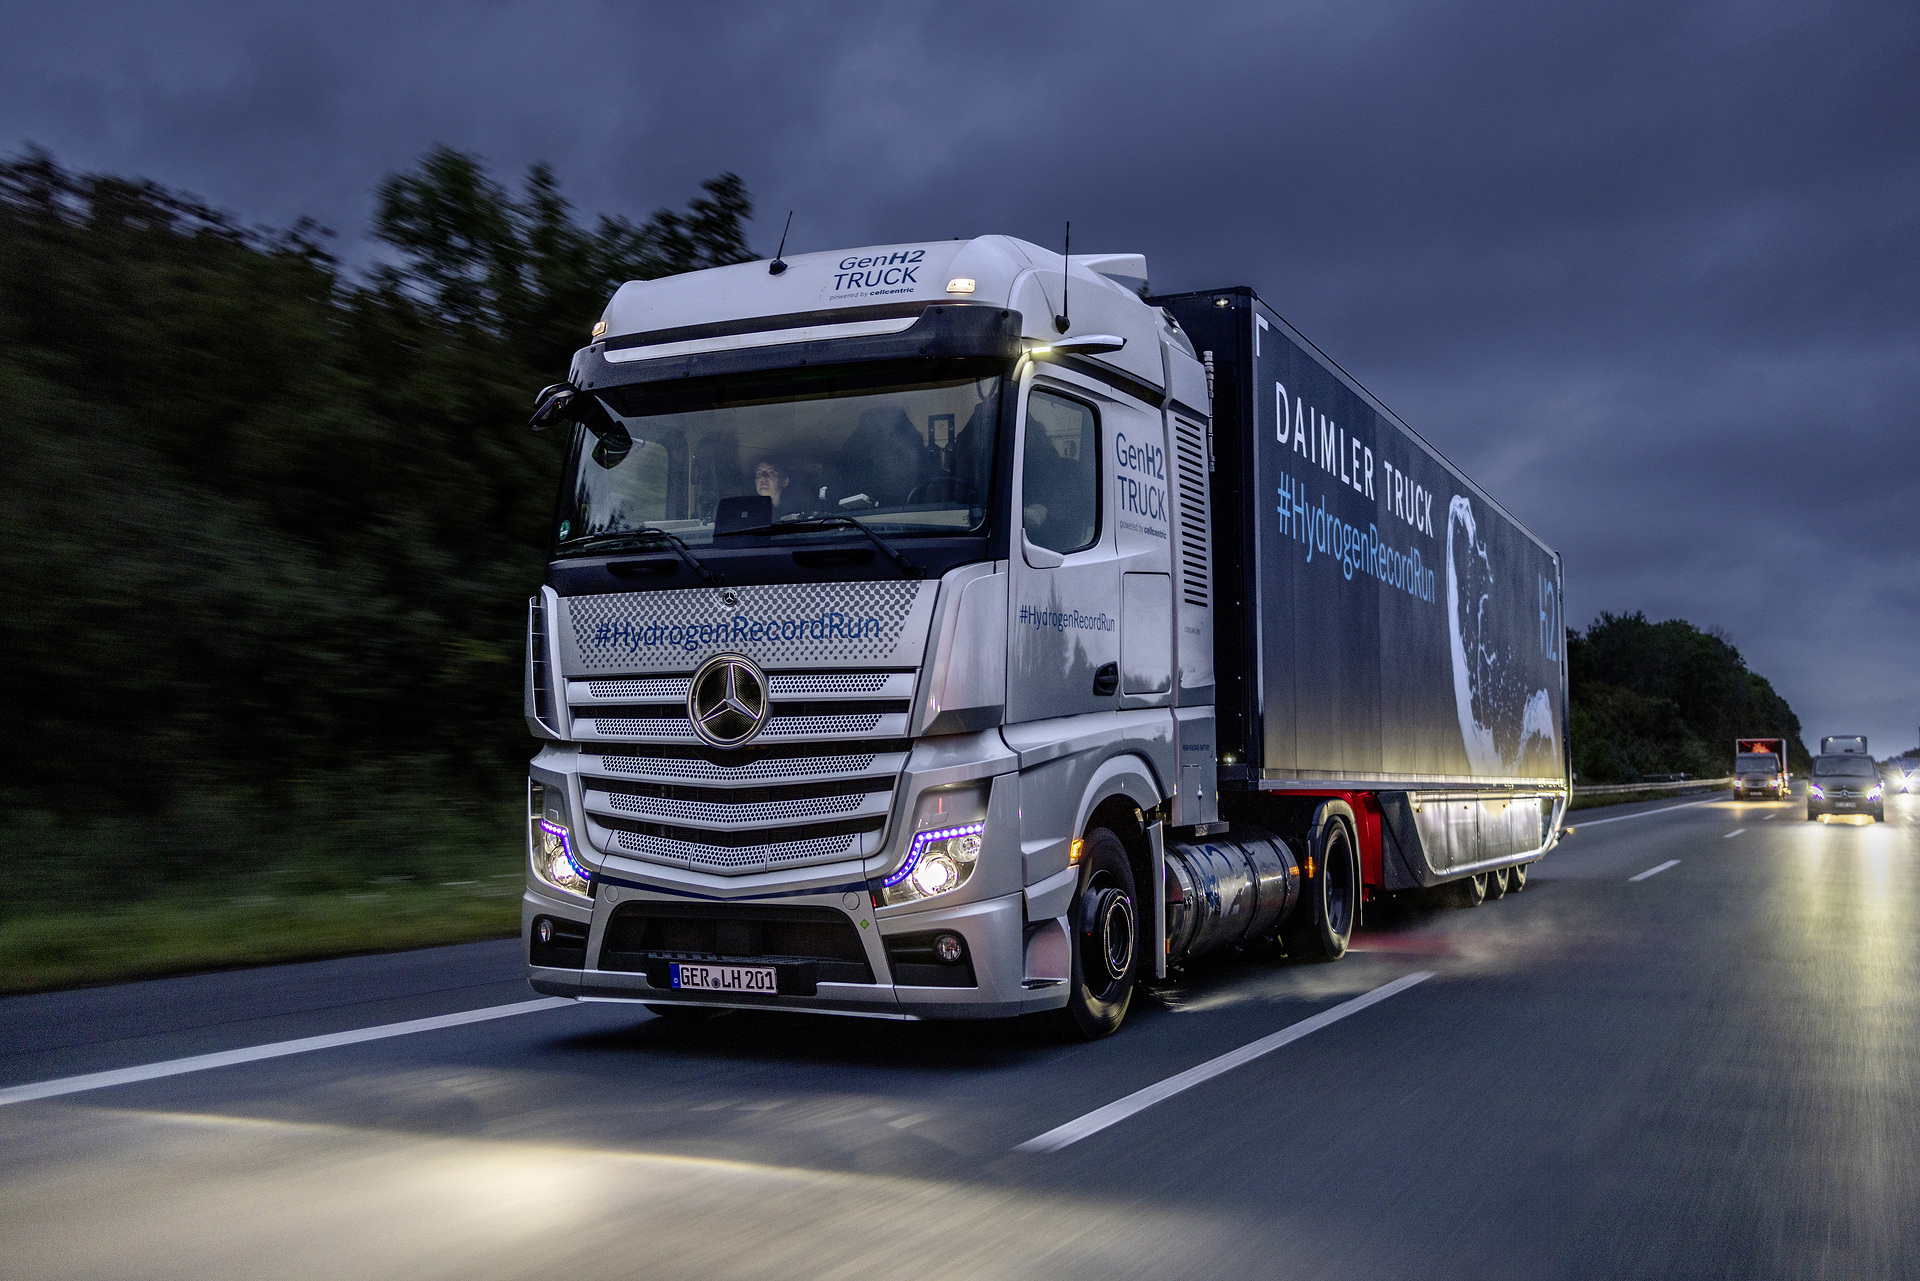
(1060, 477)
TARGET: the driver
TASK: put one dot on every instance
(772, 479)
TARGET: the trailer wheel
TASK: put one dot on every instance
(1106, 943)
(1517, 877)
(1322, 923)
(1497, 883)
(1471, 890)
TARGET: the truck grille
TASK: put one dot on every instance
(687, 767)
(772, 856)
(816, 785)
(676, 728)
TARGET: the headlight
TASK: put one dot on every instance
(1814, 789)
(550, 841)
(1873, 793)
(945, 849)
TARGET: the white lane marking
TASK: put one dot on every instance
(1621, 818)
(1735, 832)
(274, 1050)
(1766, 818)
(1655, 871)
(1140, 1100)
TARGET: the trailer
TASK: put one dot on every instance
(947, 631)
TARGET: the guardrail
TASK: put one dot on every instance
(1612, 789)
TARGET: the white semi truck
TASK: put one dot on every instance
(947, 631)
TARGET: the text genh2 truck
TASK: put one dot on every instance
(950, 631)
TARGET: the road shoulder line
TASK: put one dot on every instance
(1621, 818)
(273, 1050)
(1140, 1100)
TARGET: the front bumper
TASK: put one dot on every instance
(994, 930)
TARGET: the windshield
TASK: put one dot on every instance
(903, 449)
(1760, 763)
(1843, 767)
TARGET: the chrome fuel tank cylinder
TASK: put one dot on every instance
(1228, 892)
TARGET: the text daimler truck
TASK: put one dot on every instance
(1760, 768)
(945, 631)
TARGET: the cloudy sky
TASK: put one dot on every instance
(1651, 272)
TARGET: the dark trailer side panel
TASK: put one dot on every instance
(1380, 619)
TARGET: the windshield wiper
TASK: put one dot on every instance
(907, 568)
(647, 533)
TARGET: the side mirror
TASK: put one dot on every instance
(551, 405)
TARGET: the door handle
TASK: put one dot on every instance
(1106, 680)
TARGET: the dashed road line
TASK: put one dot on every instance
(1664, 809)
(1140, 1100)
(1655, 871)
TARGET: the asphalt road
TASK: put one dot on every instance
(1713, 1071)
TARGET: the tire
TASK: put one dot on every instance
(1880, 816)
(1322, 923)
(1517, 877)
(1471, 890)
(1107, 943)
(1812, 814)
(1497, 883)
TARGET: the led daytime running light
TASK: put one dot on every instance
(920, 843)
(565, 838)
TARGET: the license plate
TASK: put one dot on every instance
(723, 978)
(1843, 805)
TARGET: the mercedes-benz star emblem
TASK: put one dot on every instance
(727, 701)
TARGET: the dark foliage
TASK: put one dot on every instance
(267, 527)
(1666, 698)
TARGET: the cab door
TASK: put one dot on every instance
(1063, 651)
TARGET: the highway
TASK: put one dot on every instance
(1711, 1070)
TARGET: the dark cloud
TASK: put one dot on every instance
(1647, 270)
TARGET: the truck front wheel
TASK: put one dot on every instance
(1322, 922)
(1106, 942)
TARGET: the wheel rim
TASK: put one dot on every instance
(1108, 938)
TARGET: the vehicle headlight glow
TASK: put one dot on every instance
(550, 844)
(950, 827)
(1873, 793)
(938, 862)
(555, 862)
(1814, 789)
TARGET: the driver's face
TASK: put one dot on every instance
(770, 481)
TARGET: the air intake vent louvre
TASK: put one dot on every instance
(537, 656)
(1191, 516)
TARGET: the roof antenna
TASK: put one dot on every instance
(778, 265)
(1066, 263)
